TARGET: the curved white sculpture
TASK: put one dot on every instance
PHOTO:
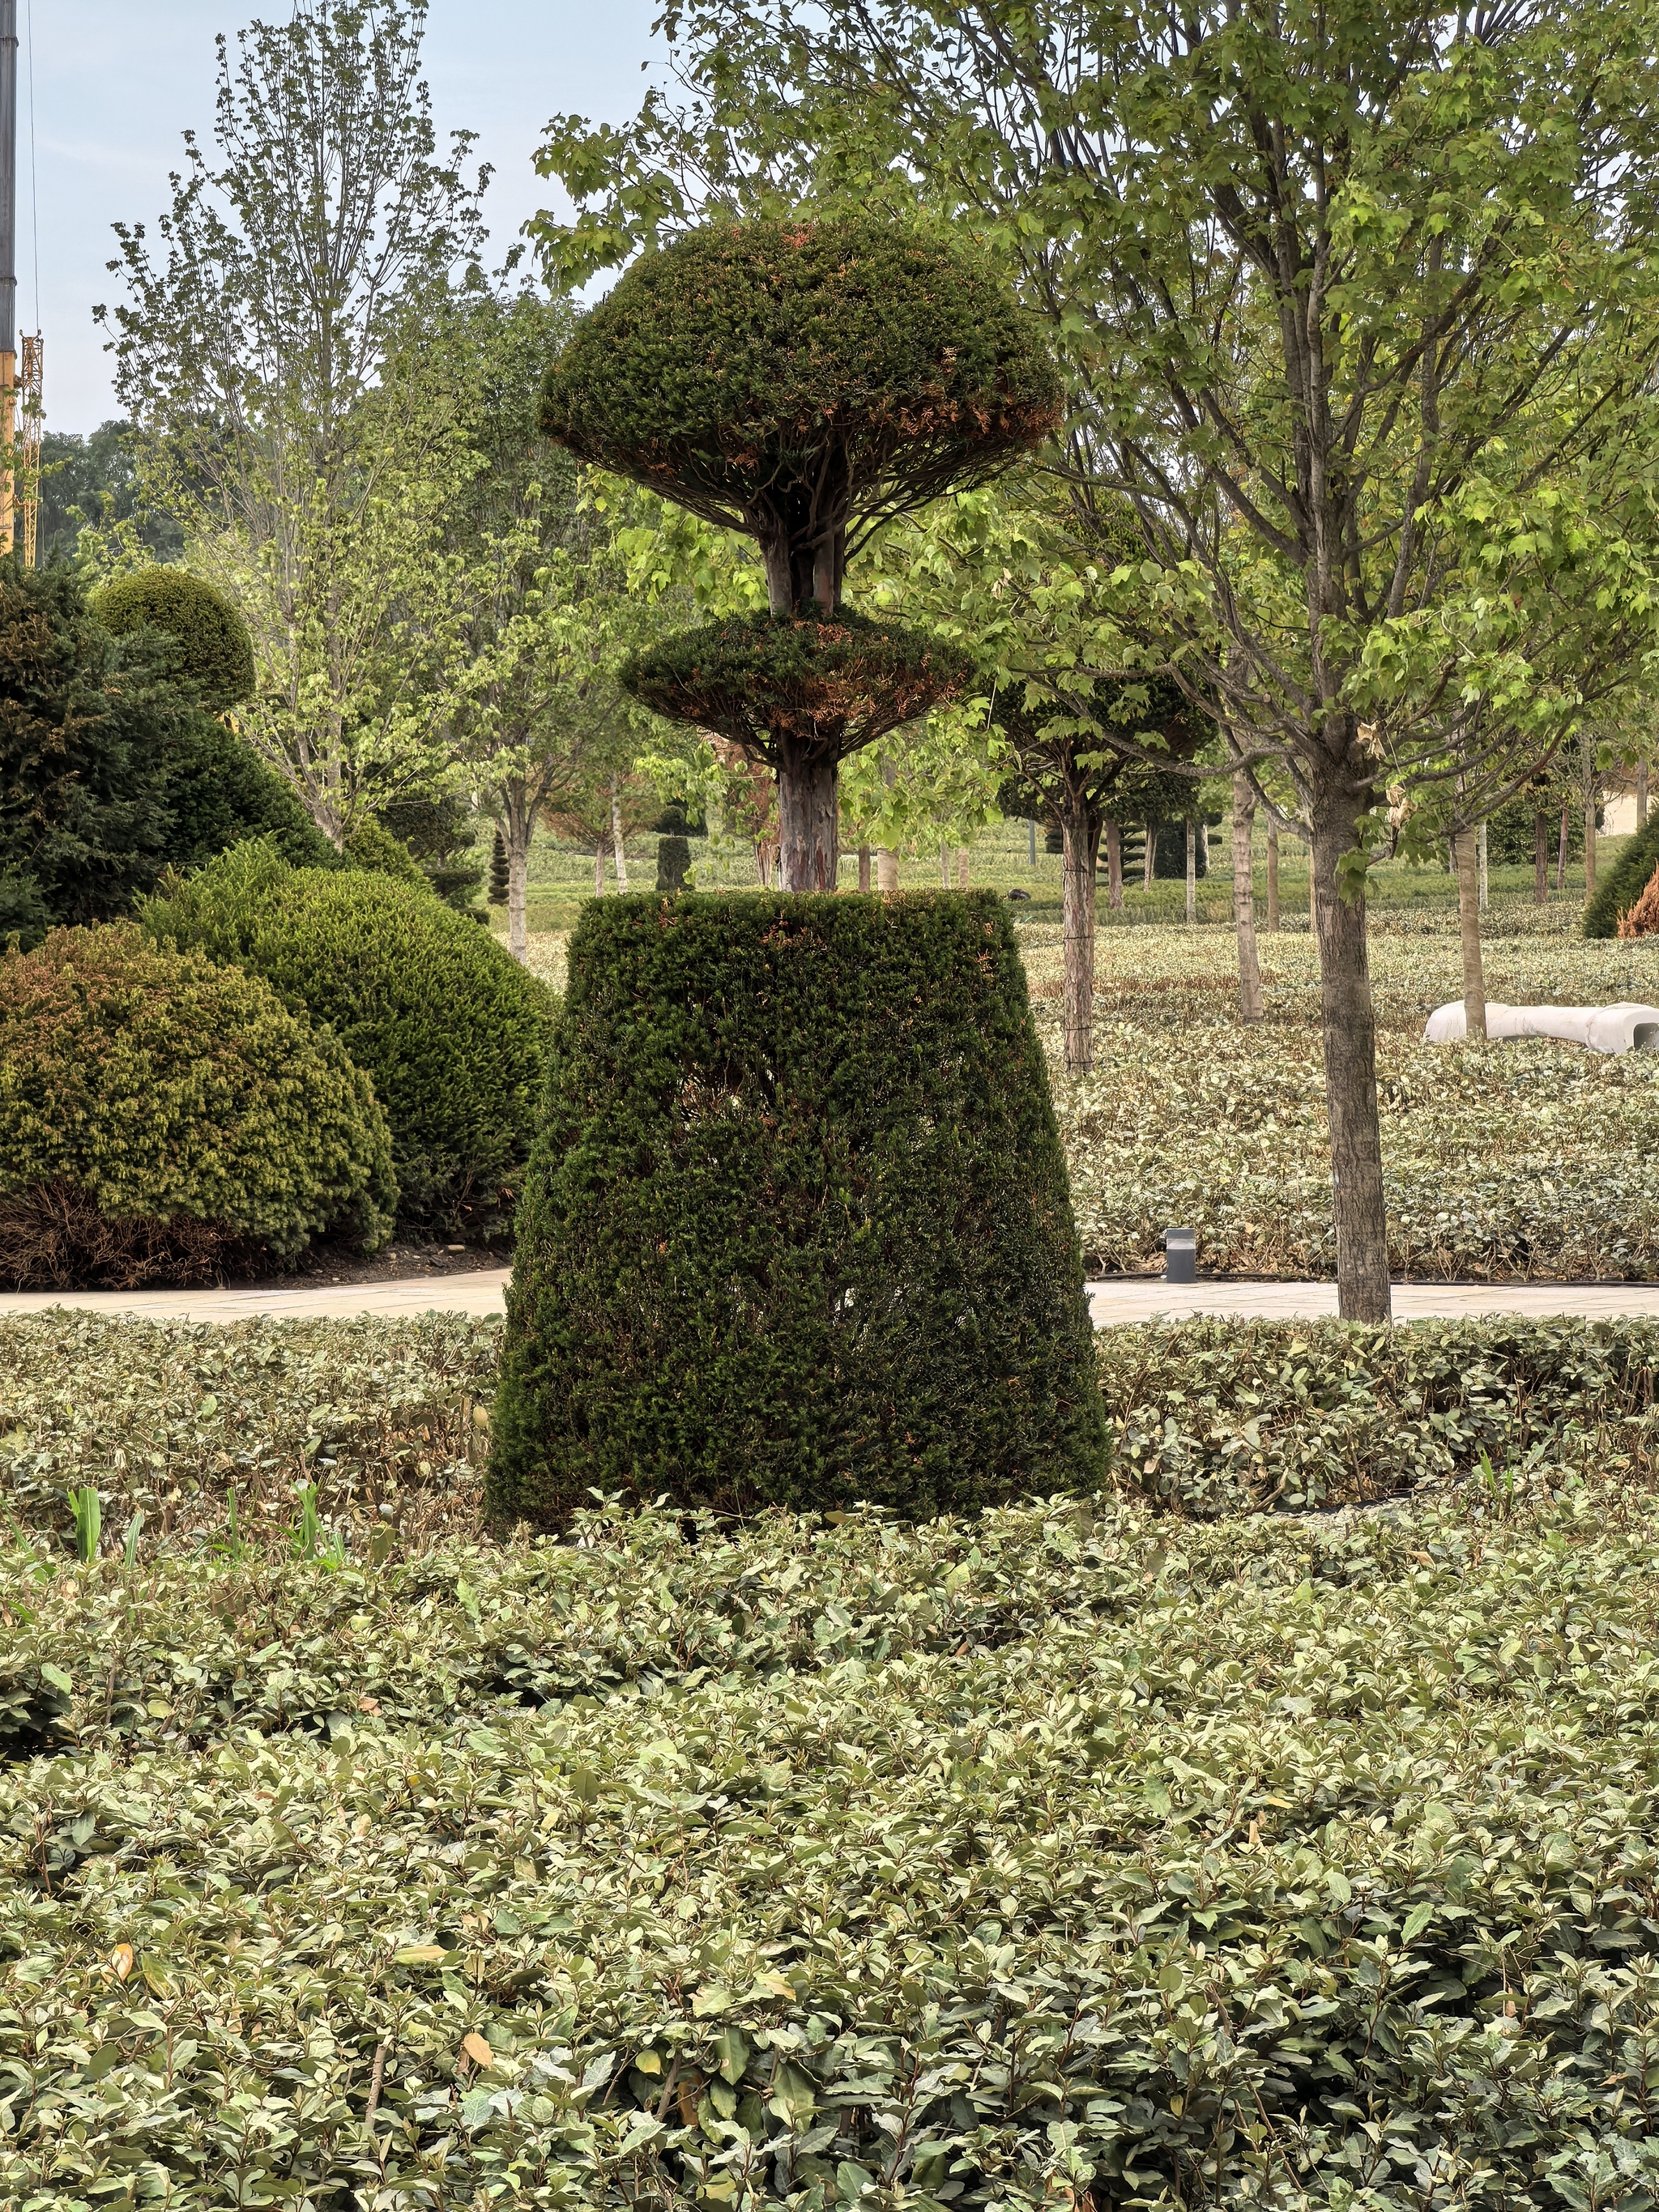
(1624, 1028)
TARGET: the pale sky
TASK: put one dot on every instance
(117, 82)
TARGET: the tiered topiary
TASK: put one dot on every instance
(797, 1231)
(212, 652)
(453, 1032)
(160, 1116)
(804, 382)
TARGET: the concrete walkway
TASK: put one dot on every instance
(1119, 1298)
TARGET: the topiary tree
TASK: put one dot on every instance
(499, 877)
(212, 652)
(804, 382)
(1624, 881)
(159, 1114)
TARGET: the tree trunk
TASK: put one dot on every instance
(764, 863)
(1114, 866)
(1273, 874)
(1081, 858)
(807, 859)
(1192, 869)
(1480, 863)
(1541, 857)
(1589, 850)
(1350, 1039)
(962, 867)
(1641, 794)
(864, 867)
(945, 867)
(1561, 857)
(618, 855)
(886, 871)
(1030, 845)
(1469, 929)
(598, 865)
(1151, 862)
(1249, 968)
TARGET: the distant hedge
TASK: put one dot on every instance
(797, 1229)
(452, 1031)
(1624, 881)
(158, 1114)
(213, 652)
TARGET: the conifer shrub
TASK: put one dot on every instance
(797, 1229)
(452, 1031)
(673, 862)
(159, 1114)
(1624, 881)
(372, 845)
(218, 792)
(212, 652)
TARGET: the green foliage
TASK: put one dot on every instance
(93, 480)
(24, 914)
(155, 1108)
(1625, 882)
(1071, 1848)
(726, 368)
(452, 1031)
(441, 832)
(87, 1513)
(797, 1229)
(781, 683)
(500, 882)
(673, 862)
(211, 651)
(371, 845)
(219, 792)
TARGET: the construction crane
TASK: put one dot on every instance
(19, 395)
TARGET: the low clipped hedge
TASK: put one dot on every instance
(1625, 882)
(797, 1229)
(452, 1031)
(158, 1115)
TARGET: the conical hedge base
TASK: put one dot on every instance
(796, 1230)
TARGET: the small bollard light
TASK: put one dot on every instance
(1180, 1256)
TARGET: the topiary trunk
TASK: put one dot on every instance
(1468, 930)
(1081, 855)
(1349, 1026)
(808, 856)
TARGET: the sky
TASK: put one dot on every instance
(116, 82)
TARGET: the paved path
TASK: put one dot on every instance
(1119, 1298)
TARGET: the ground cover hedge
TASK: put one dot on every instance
(1530, 1159)
(452, 1031)
(160, 1115)
(1071, 1848)
(796, 1230)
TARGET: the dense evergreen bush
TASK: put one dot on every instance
(452, 1030)
(797, 1229)
(211, 651)
(1624, 881)
(218, 792)
(157, 1113)
(371, 845)
(673, 862)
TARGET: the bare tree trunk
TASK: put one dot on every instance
(1081, 856)
(1273, 874)
(1349, 1024)
(1468, 927)
(1541, 857)
(1192, 869)
(886, 871)
(1150, 864)
(1030, 846)
(1480, 863)
(1249, 967)
(1114, 866)
(962, 867)
(1641, 794)
(764, 863)
(864, 867)
(520, 828)
(807, 857)
(1589, 850)
(599, 866)
(618, 855)
(1561, 857)
(945, 867)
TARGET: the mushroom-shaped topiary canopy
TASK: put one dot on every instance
(803, 381)
(214, 653)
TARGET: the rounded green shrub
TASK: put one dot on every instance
(213, 651)
(797, 1229)
(372, 845)
(1625, 882)
(452, 1031)
(159, 1113)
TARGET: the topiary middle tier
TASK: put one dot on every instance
(797, 1229)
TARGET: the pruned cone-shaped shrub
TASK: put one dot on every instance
(452, 1031)
(804, 380)
(160, 1116)
(797, 1229)
(212, 651)
(1623, 884)
(1642, 919)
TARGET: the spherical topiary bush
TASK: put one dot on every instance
(452, 1030)
(160, 1115)
(212, 651)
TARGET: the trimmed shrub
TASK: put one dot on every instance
(158, 1114)
(452, 1030)
(1624, 881)
(797, 1229)
(673, 862)
(372, 845)
(219, 793)
(212, 652)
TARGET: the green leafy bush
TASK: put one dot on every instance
(452, 1031)
(796, 1228)
(212, 652)
(157, 1112)
(1624, 882)
(1071, 1851)
(372, 845)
